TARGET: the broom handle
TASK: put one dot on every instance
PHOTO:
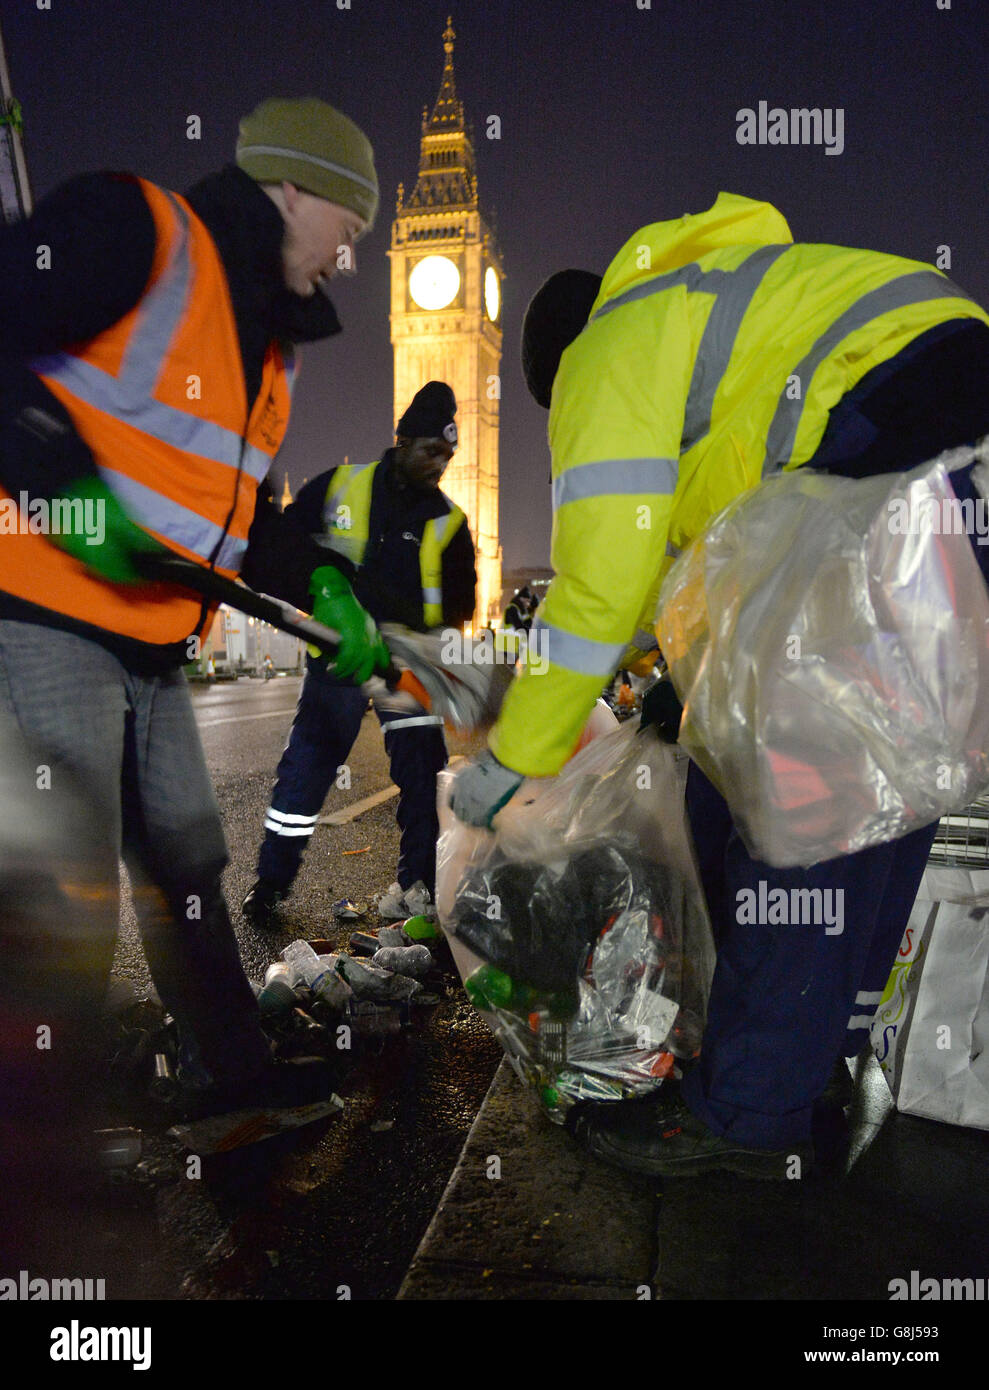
(172, 569)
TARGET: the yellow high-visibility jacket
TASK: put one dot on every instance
(712, 356)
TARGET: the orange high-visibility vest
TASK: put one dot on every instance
(160, 399)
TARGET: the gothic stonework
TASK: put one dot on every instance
(446, 279)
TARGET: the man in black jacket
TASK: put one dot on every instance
(136, 327)
(415, 563)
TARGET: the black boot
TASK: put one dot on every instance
(260, 907)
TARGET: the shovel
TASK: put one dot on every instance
(464, 693)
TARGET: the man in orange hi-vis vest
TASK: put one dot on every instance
(148, 341)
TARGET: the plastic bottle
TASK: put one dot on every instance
(404, 960)
(301, 957)
(488, 987)
(421, 928)
(319, 973)
(391, 937)
(278, 994)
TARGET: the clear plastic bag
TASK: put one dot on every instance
(829, 639)
(579, 925)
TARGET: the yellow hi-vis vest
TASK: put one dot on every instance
(346, 521)
(711, 359)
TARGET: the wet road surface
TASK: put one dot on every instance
(335, 1210)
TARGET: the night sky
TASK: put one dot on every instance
(612, 116)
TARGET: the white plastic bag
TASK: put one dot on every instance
(831, 650)
(931, 1029)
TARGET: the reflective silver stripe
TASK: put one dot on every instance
(159, 315)
(718, 340)
(288, 823)
(440, 523)
(151, 417)
(861, 1020)
(869, 996)
(612, 477)
(256, 462)
(690, 276)
(290, 817)
(305, 158)
(291, 368)
(128, 395)
(432, 595)
(293, 830)
(914, 288)
(416, 722)
(583, 655)
(157, 513)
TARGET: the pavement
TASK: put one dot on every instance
(366, 1203)
(528, 1214)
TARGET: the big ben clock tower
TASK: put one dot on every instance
(446, 316)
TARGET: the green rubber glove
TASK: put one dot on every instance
(362, 649)
(108, 540)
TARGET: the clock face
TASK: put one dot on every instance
(434, 282)
(492, 293)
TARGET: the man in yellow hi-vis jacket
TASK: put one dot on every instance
(713, 353)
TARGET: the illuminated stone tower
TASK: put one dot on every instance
(446, 316)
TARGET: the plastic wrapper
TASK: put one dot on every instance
(579, 925)
(829, 639)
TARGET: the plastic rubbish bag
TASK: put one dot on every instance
(829, 639)
(579, 925)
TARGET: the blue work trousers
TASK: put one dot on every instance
(788, 998)
(327, 722)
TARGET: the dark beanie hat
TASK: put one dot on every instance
(556, 315)
(430, 416)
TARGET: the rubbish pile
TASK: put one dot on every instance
(579, 927)
(370, 991)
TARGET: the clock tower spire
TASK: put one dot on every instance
(446, 280)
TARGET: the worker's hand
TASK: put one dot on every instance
(106, 540)
(362, 649)
(482, 788)
(662, 709)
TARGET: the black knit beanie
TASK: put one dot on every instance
(430, 416)
(556, 315)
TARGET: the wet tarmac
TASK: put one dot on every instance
(335, 1210)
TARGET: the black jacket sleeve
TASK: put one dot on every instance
(281, 553)
(68, 272)
(459, 579)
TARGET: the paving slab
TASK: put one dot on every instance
(529, 1214)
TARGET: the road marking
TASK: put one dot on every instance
(239, 718)
(367, 803)
(357, 808)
